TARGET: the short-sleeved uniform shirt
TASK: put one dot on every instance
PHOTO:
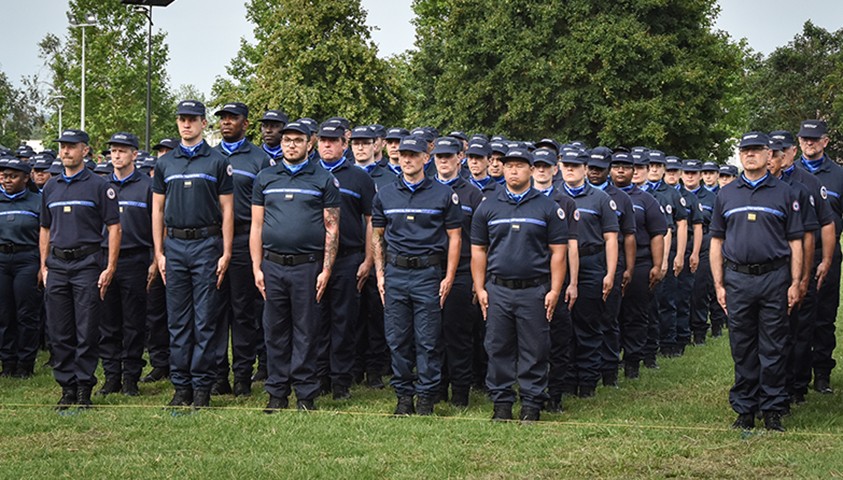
(756, 223)
(294, 205)
(470, 198)
(75, 209)
(671, 201)
(19, 218)
(381, 176)
(357, 191)
(135, 200)
(415, 221)
(818, 196)
(695, 215)
(568, 206)
(831, 176)
(193, 185)
(518, 234)
(649, 220)
(245, 162)
(705, 206)
(595, 215)
(626, 218)
(808, 215)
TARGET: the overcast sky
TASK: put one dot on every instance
(766, 24)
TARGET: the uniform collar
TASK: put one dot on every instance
(83, 175)
(426, 183)
(339, 165)
(578, 191)
(231, 148)
(203, 150)
(764, 181)
(134, 177)
(503, 195)
(5, 197)
(307, 168)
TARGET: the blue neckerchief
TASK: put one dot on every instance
(627, 188)
(813, 165)
(653, 186)
(481, 184)
(13, 196)
(757, 182)
(788, 171)
(191, 151)
(294, 169)
(121, 182)
(447, 182)
(547, 191)
(678, 187)
(332, 166)
(601, 186)
(396, 169)
(273, 152)
(574, 191)
(695, 191)
(74, 177)
(368, 168)
(713, 189)
(230, 148)
(501, 180)
(412, 186)
(516, 197)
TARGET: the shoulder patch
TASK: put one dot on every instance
(110, 193)
(668, 209)
(577, 215)
(613, 205)
(824, 193)
(701, 207)
(336, 182)
(811, 199)
(683, 202)
(455, 198)
(272, 162)
(662, 209)
(229, 170)
(795, 206)
(561, 214)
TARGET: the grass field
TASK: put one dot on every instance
(672, 423)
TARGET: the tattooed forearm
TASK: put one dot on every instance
(379, 249)
(332, 237)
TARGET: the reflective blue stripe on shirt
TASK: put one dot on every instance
(468, 209)
(586, 210)
(399, 211)
(707, 207)
(244, 173)
(833, 194)
(773, 211)
(70, 203)
(534, 221)
(19, 212)
(350, 192)
(191, 176)
(638, 207)
(126, 203)
(315, 193)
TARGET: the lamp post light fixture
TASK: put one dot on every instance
(89, 21)
(58, 101)
(144, 7)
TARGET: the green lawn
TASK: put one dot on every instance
(673, 422)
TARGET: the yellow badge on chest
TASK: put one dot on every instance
(188, 184)
(516, 227)
(288, 196)
(750, 216)
(411, 218)
(121, 209)
(67, 209)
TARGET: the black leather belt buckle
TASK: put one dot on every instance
(413, 262)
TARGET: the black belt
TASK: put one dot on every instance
(757, 268)
(422, 261)
(128, 252)
(292, 260)
(75, 253)
(242, 228)
(589, 251)
(520, 284)
(348, 251)
(194, 233)
(13, 248)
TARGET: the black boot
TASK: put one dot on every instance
(716, 331)
(202, 398)
(130, 387)
(373, 380)
(773, 421)
(425, 405)
(502, 412)
(529, 414)
(586, 391)
(243, 387)
(305, 405)
(554, 404)
(260, 374)
(68, 398)
(650, 362)
(221, 387)
(275, 404)
(156, 374)
(112, 385)
(405, 406)
(459, 397)
(24, 370)
(183, 397)
(610, 378)
(324, 386)
(823, 385)
(9, 369)
(341, 393)
(631, 370)
(83, 396)
(745, 421)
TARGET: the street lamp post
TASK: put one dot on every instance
(90, 21)
(58, 99)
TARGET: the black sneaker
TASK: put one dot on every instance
(260, 374)
(502, 412)
(425, 405)
(823, 386)
(221, 387)
(243, 388)
(554, 404)
(341, 393)
(202, 399)
(83, 396)
(275, 404)
(586, 392)
(745, 421)
(324, 386)
(773, 421)
(459, 398)
(9, 369)
(699, 339)
(798, 398)
(716, 332)
(650, 362)
(130, 388)
(68, 398)
(632, 371)
(111, 385)
(183, 397)
(24, 370)
(610, 378)
(156, 375)
(405, 406)
(373, 380)
(305, 405)
(529, 414)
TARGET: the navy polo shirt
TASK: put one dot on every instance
(705, 206)
(135, 200)
(19, 218)
(193, 186)
(470, 199)
(808, 215)
(75, 209)
(568, 206)
(831, 176)
(671, 201)
(294, 204)
(357, 190)
(756, 223)
(487, 188)
(818, 196)
(626, 217)
(415, 222)
(245, 162)
(594, 214)
(518, 234)
(650, 220)
(689, 202)
(382, 176)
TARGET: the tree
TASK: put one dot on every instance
(19, 115)
(606, 71)
(313, 59)
(115, 72)
(799, 81)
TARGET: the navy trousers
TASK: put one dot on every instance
(123, 325)
(157, 332)
(824, 339)
(20, 306)
(340, 308)
(589, 322)
(666, 293)
(457, 331)
(635, 312)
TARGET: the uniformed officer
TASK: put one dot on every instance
(710, 174)
(192, 231)
(728, 173)
(24, 153)
(293, 266)
(243, 304)
(166, 145)
(597, 240)
(813, 139)
(477, 155)
(598, 176)
(499, 149)
(76, 208)
(393, 141)
(122, 328)
(417, 237)
(341, 304)
(756, 235)
(518, 264)
(40, 169)
(650, 228)
(20, 309)
(457, 313)
(272, 122)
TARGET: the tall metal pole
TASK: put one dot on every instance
(83, 79)
(60, 129)
(149, 80)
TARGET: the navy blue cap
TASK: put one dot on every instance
(446, 145)
(710, 167)
(545, 155)
(363, 132)
(396, 133)
(499, 147)
(813, 129)
(656, 156)
(332, 130)
(56, 167)
(599, 157)
(776, 145)
(623, 158)
(41, 162)
(170, 143)
(692, 165)
(309, 123)
(672, 163)
(729, 170)
(640, 159)
(11, 163)
(73, 136)
(579, 144)
(380, 130)
(515, 154)
(298, 127)
(755, 139)
(481, 136)
(479, 147)
(548, 143)
(783, 136)
(234, 108)
(24, 151)
(498, 138)
(424, 133)
(576, 157)
(639, 149)
(124, 138)
(413, 143)
(104, 167)
(338, 121)
(459, 135)
(275, 116)
(191, 107)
